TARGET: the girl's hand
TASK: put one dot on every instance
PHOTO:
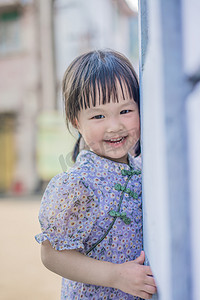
(136, 279)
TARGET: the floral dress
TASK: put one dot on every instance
(96, 209)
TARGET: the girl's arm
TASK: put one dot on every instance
(130, 277)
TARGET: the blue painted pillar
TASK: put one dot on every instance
(164, 90)
(176, 90)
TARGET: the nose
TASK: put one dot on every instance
(114, 125)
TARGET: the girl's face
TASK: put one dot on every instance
(110, 130)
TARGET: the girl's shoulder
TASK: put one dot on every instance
(79, 171)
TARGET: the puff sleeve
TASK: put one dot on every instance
(68, 212)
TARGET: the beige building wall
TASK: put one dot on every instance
(20, 88)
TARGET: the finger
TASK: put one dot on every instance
(142, 253)
(144, 295)
(140, 259)
(149, 280)
(150, 289)
(148, 271)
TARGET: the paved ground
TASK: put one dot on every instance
(22, 275)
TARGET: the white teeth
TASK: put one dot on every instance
(116, 140)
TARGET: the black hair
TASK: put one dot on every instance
(93, 77)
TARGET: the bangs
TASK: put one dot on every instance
(103, 86)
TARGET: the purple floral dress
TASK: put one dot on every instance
(95, 208)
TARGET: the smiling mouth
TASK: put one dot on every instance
(116, 140)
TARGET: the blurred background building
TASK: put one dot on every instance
(38, 40)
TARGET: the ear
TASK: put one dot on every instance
(76, 124)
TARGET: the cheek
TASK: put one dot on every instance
(134, 128)
(133, 124)
(91, 135)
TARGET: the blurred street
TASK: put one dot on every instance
(22, 275)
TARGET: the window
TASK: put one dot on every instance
(9, 32)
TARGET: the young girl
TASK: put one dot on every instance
(91, 216)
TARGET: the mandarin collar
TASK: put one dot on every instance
(99, 160)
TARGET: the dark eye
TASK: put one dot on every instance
(98, 117)
(125, 111)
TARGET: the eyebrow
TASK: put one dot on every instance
(94, 110)
(129, 103)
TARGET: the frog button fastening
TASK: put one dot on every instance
(122, 216)
(130, 172)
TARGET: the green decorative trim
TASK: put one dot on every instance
(130, 172)
(103, 237)
(122, 216)
(114, 217)
(119, 187)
